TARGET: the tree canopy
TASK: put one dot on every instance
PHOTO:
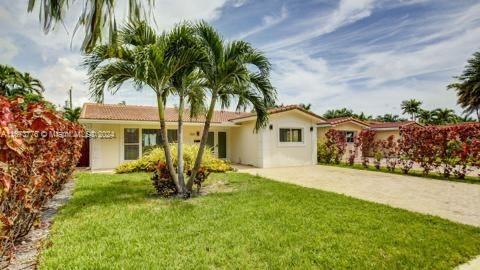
(468, 86)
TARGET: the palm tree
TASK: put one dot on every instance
(96, 18)
(362, 116)
(412, 107)
(343, 112)
(425, 117)
(72, 115)
(444, 116)
(187, 83)
(13, 82)
(306, 106)
(388, 117)
(150, 60)
(468, 87)
(229, 73)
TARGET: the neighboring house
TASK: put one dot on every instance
(352, 126)
(290, 138)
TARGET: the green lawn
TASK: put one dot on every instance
(113, 221)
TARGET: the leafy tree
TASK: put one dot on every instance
(14, 82)
(412, 107)
(444, 116)
(232, 70)
(151, 61)
(97, 16)
(468, 86)
(72, 114)
(343, 112)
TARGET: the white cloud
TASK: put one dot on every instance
(302, 79)
(65, 71)
(8, 50)
(347, 12)
(239, 3)
(60, 76)
(267, 22)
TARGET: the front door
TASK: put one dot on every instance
(222, 144)
(84, 160)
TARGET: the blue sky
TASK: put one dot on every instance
(362, 54)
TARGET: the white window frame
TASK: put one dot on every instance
(291, 144)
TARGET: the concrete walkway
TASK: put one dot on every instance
(459, 202)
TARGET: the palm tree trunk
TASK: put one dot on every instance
(203, 142)
(478, 115)
(181, 180)
(166, 146)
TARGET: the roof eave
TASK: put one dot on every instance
(148, 122)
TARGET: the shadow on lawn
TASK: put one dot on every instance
(110, 193)
(126, 190)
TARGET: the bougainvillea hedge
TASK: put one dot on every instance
(450, 150)
(38, 153)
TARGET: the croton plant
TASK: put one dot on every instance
(38, 154)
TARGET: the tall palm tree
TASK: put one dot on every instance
(187, 83)
(412, 107)
(13, 82)
(148, 60)
(72, 114)
(97, 17)
(444, 116)
(232, 70)
(468, 86)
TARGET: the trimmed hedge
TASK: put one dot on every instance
(451, 150)
(39, 152)
(150, 161)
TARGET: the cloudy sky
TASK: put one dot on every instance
(367, 55)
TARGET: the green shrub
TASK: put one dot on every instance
(324, 153)
(149, 161)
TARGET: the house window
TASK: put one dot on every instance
(291, 135)
(153, 138)
(131, 143)
(172, 135)
(350, 136)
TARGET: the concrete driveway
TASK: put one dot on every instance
(455, 201)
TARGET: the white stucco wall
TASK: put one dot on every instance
(109, 153)
(105, 153)
(244, 144)
(277, 154)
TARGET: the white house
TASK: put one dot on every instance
(123, 132)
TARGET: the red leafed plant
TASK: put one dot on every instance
(163, 181)
(452, 150)
(39, 152)
(367, 145)
(336, 143)
(390, 152)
